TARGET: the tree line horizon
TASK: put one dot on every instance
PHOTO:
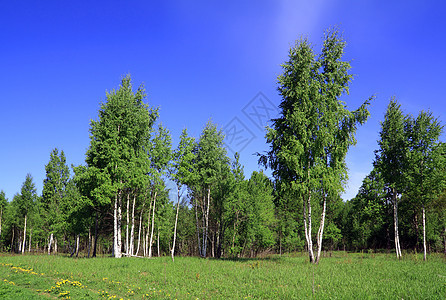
(118, 202)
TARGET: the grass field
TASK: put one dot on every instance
(342, 276)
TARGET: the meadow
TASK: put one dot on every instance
(341, 276)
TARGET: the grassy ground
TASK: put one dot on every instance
(342, 276)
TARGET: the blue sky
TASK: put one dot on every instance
(200, 60)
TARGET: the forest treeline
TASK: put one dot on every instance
(120, 201)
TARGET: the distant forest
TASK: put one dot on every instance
(118, 204)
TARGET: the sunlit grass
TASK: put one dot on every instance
(342, 276)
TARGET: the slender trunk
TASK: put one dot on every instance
(158, 242)
(119, 230)
(55, 245)
(395, 224)
(424, 234)
(175, 227)
(153, 225)
(205, 238)
(115, 227)
(307, 226)
(139, 232)
(24, 237)
(127, 252)
(132, 230)
(146, 247)
(77, 245)
(50, 243)
(320, 232)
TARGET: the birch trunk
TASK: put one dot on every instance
(395, 224)
(132, 230)
(119, 230)
(139, 232)
(50, 243)
(424, 235)
(127, 226)
(175, 228)
(55, 245)
(205, 236)
(115, 227)
(320, 232)
(153, 225)
(24, 237)
(158, 242)
(77, 245)
(307, 227)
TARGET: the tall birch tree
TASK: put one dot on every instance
(424, 172)
(120, 135)
(26, 200)
(182, 173)
(391, 159)
(309, 141)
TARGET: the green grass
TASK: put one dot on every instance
(343, 276)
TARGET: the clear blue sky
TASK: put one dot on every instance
(200, 60)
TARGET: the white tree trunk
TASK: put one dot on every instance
(24, 237)
(127, 252)
(77, 245)
(132, 230)
(307, 227)
(50, 243)
(158, 242)
(119, 230)
(55, 245)
(175, 228)
(153, 225)
(395, 224)
(205, 235)
(320, 232)
(424, 235)
(117, 226)
(139, 232)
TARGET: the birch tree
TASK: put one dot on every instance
(391, 159)
(424, 172)
(54, 193)
(310, 139)
(160, 155)
(211, 157)
(26, 200)
(117, 138)
(182, 173)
